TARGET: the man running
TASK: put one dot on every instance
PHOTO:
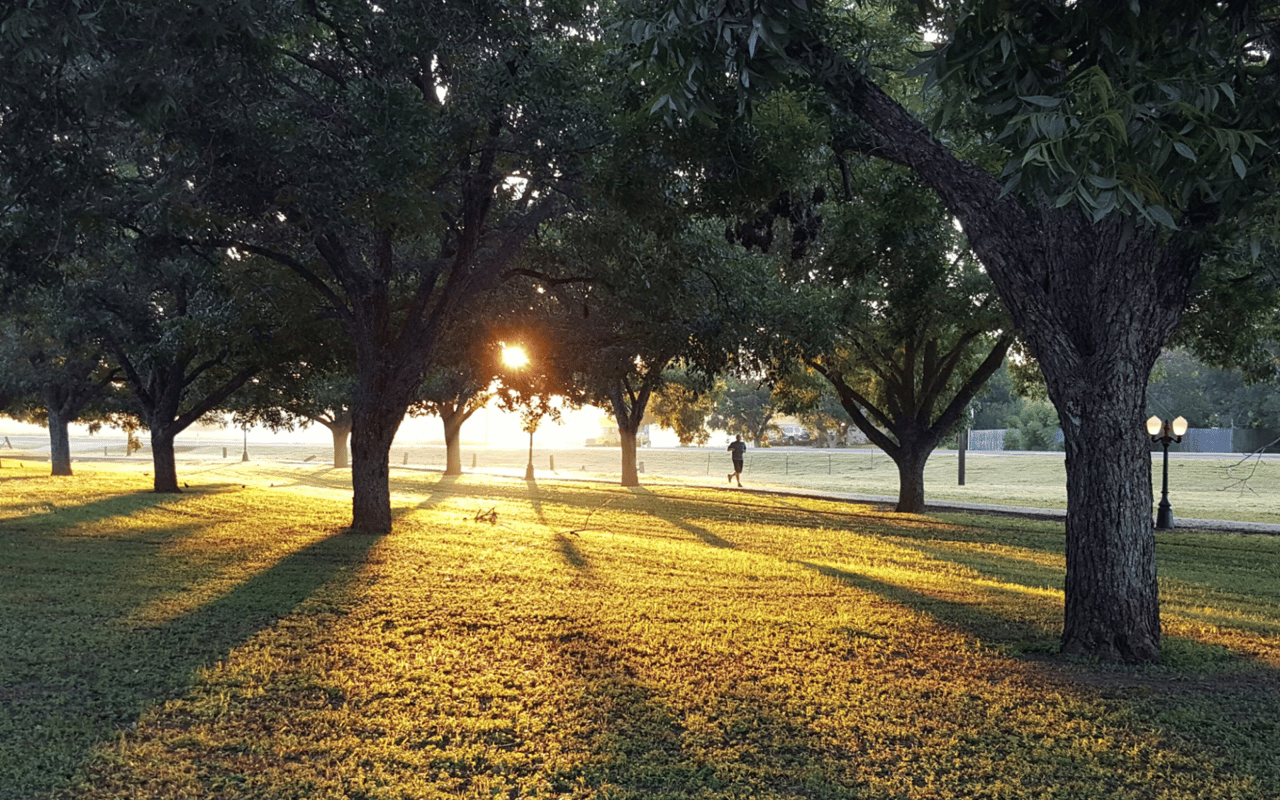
(736, 449)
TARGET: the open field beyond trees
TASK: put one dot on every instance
(1218, 486)
(577, 640)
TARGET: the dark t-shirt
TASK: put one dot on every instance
(736, 449)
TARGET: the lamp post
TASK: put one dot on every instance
(1165, 432)
(528, 471)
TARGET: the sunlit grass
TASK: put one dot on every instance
(1216, 487)
(597, 642)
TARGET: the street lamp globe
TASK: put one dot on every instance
(1154, 424)
(1179, 426)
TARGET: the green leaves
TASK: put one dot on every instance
(1148, 104)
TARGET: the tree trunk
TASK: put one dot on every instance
(163, 461)
(630, 474)
(1112, 600)
(374, 429)
(453, 441)
(910, 462)
(59, 443)
(628, 411)
(341, 432)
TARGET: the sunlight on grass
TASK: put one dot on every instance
(599, 642)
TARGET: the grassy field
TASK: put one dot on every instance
(1200, 487)
(577, 640)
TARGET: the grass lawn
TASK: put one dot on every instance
(574, 640)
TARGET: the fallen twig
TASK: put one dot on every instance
(578, 531)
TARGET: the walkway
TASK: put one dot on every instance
(1179, 523)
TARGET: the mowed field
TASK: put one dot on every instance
(573, 639)
(1201, 486)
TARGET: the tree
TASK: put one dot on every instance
(394, 156)
(745, 408)
(455, 392)
(998, 400)
(1033, 428)
(1210, 397)
(1123, 140)
(639, 295)
(56, 374)
(810, 397)
(683, 404)
(184, 335)
(300, 393)
(894, 312)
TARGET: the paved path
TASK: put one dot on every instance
(1179, 523)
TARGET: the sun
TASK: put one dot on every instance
(514, 356)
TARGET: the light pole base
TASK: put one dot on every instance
(1164, 516)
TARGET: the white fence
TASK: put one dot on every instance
(1196, 440)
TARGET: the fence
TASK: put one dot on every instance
(1196, 440)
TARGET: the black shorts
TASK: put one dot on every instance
(737, 465)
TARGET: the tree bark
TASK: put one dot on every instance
(375, 423)
(453, 440)
(59, 442)
(163, 462)
(630, 471)
(341, 432)
(911, 461)
(1112, 600)
(628, 410)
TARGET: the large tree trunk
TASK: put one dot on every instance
(1112, 600)
(1114, 301)
(341, 432)
(453, 441)
(910, 462)
(630, 472)
(163, 462)
(628, 411)
(59, 442)
(374, 429)
(1097, 301)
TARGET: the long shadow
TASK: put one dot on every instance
(571, 554)
(444, 486)
(739, 741)
(969, 618)
(665, 512)
(87, 513)
(1234, 709)
(61, 712)
(535, 500)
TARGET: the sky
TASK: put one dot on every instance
(491, 425)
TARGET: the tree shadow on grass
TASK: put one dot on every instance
(535, 500)
(666, 512)
(738, 741)
(63, 516)
(974, 618)
(1222, 700)
(443, 487)
(571, 553)
(82, 693)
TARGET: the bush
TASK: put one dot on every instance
(1034, 428)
